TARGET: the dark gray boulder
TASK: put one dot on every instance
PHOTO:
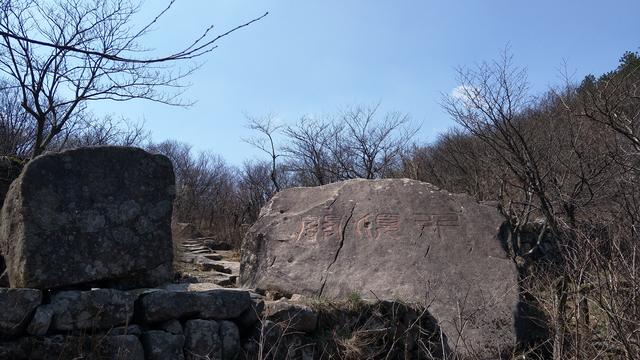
(292, 316)
(91, 310)
(87, 215)
(390, 239)
(218, 304)
(16, 309)
(41, 321)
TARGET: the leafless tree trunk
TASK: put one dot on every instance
(267, 128)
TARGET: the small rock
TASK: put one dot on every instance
(95, 309)
(161, 345)
(17, 306)
(202, 340)
(293, 316)
(41, 321)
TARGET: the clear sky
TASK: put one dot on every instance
(315, 57)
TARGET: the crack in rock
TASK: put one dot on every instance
(335, 258)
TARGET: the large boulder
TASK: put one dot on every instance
(390, 239)
(87, 215)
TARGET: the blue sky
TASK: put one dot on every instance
(315, 57)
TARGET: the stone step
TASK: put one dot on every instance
(205, 264)
(227, 254)
(192, 243)
(194, 246)
(196, 251)
(214, 257)
(200, 251)
(224, 279)
(231, 267)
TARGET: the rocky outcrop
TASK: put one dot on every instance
(89, 215)
(390, 239)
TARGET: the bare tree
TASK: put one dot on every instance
(108, 130)
(308, 148)
(61, 54)
(16, 130)
(368, 146)
(267, 129)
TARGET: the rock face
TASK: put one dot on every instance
(87, 215)
(391, 239)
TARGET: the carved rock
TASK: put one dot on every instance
(390, 239)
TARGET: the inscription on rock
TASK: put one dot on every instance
(388, 239)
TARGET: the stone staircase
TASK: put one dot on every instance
(208, 265)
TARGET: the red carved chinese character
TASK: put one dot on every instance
(309, 229)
